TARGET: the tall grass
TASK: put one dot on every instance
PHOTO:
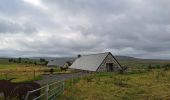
(152, 85)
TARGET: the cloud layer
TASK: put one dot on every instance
(138, 28)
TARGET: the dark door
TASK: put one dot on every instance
(109, 67)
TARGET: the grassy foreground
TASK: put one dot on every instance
(152, 85)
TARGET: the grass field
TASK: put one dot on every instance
(21, 71)
(152, 85)
(140, 84)
(142, 63)
(24, 71)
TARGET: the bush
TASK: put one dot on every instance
(150, 67)
(123, 69)
(51, 71)
(158, 66)
(46, 70)
(166, 67)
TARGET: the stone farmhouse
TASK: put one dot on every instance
(102, 62)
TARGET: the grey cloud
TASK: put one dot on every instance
(13, 27)
(97, 7)
(139, 28)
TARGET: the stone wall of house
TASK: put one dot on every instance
(109, 59)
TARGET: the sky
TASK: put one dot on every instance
(59, 28)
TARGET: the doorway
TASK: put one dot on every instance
(109, 67)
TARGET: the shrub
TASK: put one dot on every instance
(123, 69)
(166, 67)
(35, 63)
(51, 71)
(158, 66)
(46, 70)
(150, 67)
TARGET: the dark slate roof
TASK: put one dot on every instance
(89, 62)
(60, 61)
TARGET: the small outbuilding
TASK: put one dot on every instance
(102, 62)
(60, 62)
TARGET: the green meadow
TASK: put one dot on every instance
(139, 83)
(149, 85)
(20, 71)
(23, 72)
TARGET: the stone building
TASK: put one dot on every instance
(61, 62)
(102, 62)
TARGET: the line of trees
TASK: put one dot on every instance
(28, 61)
(17, 60)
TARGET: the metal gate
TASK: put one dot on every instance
(48, 92)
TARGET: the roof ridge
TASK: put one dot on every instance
(96, 54)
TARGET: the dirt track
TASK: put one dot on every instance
(59, 77)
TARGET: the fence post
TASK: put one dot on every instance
(72, 80)
(47, 89)
(34, 74)
(63, 86)
(6, 76)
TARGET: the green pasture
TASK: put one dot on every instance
(149, 85)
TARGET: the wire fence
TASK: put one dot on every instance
(20, 76)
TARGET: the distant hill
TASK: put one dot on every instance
(65, 58)
(125, 58)
(118, 57)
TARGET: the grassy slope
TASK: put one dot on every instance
(153, 85)
(20, 71)
(150, 85)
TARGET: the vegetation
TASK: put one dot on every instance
(152, 85)
(20, 70)
(27, 70)
(144, 79)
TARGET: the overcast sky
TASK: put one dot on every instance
(57, 28)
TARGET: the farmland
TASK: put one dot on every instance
(139, 83)
(20, 71)
(25, 71)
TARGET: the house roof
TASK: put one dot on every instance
(59, 61)
(89, 62)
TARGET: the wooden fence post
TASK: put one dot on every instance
(34, 74)
(63, 86)
(6, 76)
(47, 89)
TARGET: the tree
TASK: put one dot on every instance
(10, 60)
(149, 66)
(46, 62)
(51, 71)
(35, 62)
(42, 60)
(19, 60)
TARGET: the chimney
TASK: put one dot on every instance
(78, 56)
